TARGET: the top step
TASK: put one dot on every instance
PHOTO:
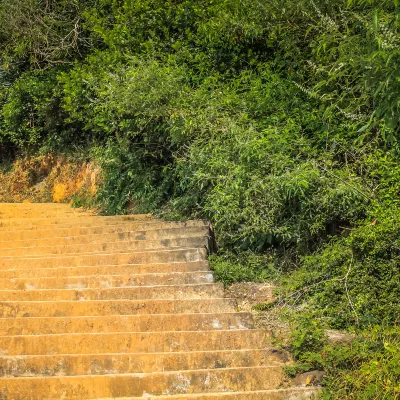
(38, 210)
(13, 214)
(35, 206)
(68, 220)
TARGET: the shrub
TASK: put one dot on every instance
(367, 368)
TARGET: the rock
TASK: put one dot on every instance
(311, 378)
(338, 337)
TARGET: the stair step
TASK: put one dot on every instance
(278, 394)
(16, 309)
(8, 217)
(139, 245)
(108, 281)
(96, 259)
(44, 211)
(31, 205)
(53, 218)
(94, 228)
(133, 342)
(122, 385)
(13, 224)
(199, 291)
(120, 236)
(124, 323)
(110, 270)
(131, 363)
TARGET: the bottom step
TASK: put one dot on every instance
(281, 394)
(131, 363)
(136, 385)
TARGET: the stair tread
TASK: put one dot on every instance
(99, 253)
(109, 267)
(107, 281)
(233, 395)
(162, 233)
(238, 313)
(188, 353)
(120, 323)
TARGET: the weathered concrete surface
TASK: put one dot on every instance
(123, 308)
(126, 363)
(15, 309)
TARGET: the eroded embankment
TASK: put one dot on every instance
(48, 178)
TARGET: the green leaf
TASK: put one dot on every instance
(376, 22)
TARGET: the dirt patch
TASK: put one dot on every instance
(251, 294)
(48, 179)
(252, 297)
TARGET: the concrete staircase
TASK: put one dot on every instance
(98, 307)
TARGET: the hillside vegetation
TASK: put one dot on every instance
(276, 120)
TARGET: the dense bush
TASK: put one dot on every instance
(365, 368)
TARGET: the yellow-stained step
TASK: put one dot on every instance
(105, 258)
(134, 342)
(15, 309)
(279, 394)
(136, 230)
(107, 269)
(123, 307)
(108, 281)
(191, 242)
(195, 291)
(130, 363)
(43, 238)
(122, 385)
(18, 211)
(124, 323)
(74, 221)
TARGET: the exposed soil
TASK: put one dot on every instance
(250, 297)
(48, 179)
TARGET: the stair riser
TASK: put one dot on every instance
(155, 234)
(96, 228)
(121, 323)
(87, 222)
(18, 213)
(106, 247)
(95, 387)
(132, 269)
(48, 219)
(157, 257)
(108, 281)
(279, 394)
(202, 291)
(7, 217)
(102, 364)
(11, 309)
(35, 206)
(150, 342)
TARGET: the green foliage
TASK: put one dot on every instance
(243, 267)
(353, 281)
(29, 110)
(367, 368)
(130, 180)
(308, 337)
